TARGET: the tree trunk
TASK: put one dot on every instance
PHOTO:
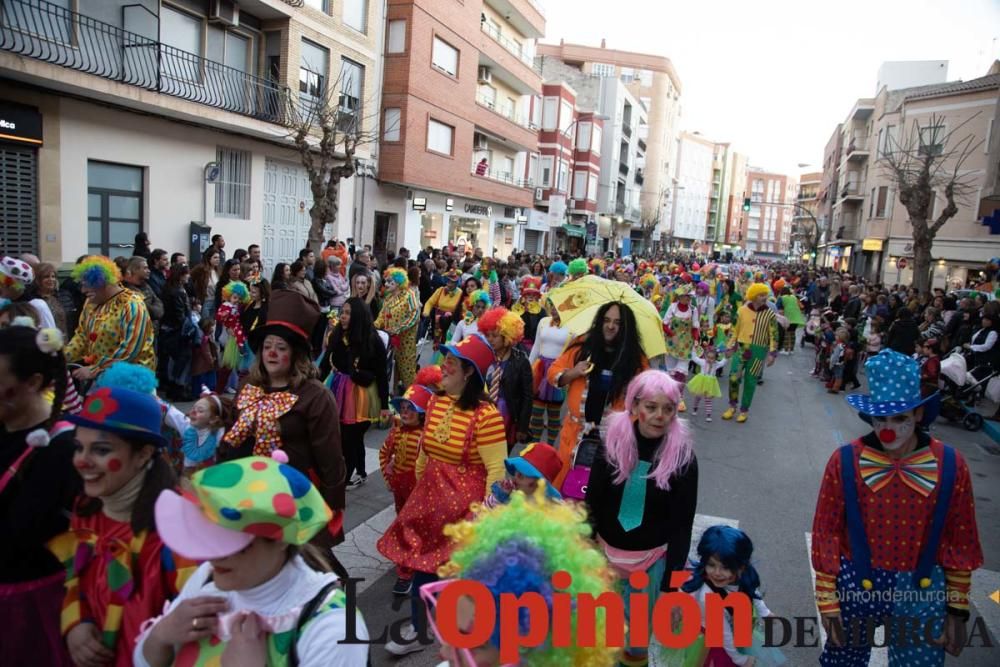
(922, 260)
(322, 213)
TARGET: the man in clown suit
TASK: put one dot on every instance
(894, 536)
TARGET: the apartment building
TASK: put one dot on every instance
(735, 182)
(827, 195)
(461, 110)
(653, 81)
(151, 115)
(805, 216)
(870, 226)
(989, 202)
(623, 170)
(690, 201)
(768, 228)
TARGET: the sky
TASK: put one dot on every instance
(774, 77)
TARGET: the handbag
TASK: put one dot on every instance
(584, 454)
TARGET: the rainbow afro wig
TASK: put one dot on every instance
(578, 267)
(648, 281)
(97, 271)
(239, 288)
(398, 276)
(756, 290)
(598, 266)
(515, 549)
(504, 322)
(124, 375)
(480, 296)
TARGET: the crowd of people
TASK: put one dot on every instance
(549, 434)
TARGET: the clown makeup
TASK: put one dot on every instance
(896, 431)
(407, 415)
(277, 356)
(526, 484)
(257, 563)
(486, 655)
(654, 415)
(454, 375)
(234, 298)
(106, 461)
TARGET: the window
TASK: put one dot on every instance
(583, 136)
(595, 143)
(55, 23)
(183, 32)
(439, 137)
(549, 113)
(356, 14)
(313, 68)
(628, 74)
(317, 4)
(592, 187)
(352, 82)
(565, 115)
(114, 208)
(488, 96)
(646, 79)
(579, 185)
(396, 39)
(536, 112)
(445, 57)
(932, 140)
(563, 176)
(602, 69)
(232, 190)
(532, 168)
(880, 196)
(390, 129)
(546, 177)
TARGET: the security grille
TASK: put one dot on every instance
(18, 200)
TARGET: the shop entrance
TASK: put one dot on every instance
(470, 232)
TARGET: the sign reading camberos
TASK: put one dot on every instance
(479, 209)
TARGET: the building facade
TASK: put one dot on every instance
(768, 228)
(827, 195)
(806, 227)
(461, 111)
(693, 188)
(191, 124)
(735, 178)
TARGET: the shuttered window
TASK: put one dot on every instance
(18, 200)
(232, 190)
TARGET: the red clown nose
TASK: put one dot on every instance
(887, 435)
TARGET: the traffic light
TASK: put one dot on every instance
(746, 203)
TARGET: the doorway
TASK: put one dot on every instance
(381, 242)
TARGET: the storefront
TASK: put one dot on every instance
(432, 230)
(504, 235)
(957, 263)
(20, 138)
(536, 233)
(573, 238)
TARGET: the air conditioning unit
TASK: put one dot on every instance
(538, 194)
(479, 142)
(226, 12)
(485, 75)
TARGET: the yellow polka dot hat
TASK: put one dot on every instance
(232, 503)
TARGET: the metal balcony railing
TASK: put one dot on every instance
(44, 31)
(507, 112)
(509, 44)
(504, 177)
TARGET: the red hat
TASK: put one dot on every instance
(452, 275)
(537, 460)
(475, 350)
(531, 286)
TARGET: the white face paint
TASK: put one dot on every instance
(893, 432)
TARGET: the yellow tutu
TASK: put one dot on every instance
(704, 384)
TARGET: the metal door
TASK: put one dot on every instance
(18, 200)
(287, 200)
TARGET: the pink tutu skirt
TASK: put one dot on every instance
(543, 390)
(356, 403)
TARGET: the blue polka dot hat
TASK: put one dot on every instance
(894, 386)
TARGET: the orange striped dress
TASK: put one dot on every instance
(461, 455)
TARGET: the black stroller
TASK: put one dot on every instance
(962, 388)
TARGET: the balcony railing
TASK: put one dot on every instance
(639, 177)
(509, 44)
(507, 112)
(44, 31)
(504, 177)
(623, 168)
(857, 144)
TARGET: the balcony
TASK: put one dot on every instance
(857, 150)
(512, 47)
(505, 177)
(623, 168)
(46, 32)
(526, 16)
(851, 193)
(506, 112)
(639, 177)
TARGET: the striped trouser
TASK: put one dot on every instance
(748, 364)
(542, 412)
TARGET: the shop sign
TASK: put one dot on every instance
(20, 123)
(873, 245)
(591, 232)
(479, 209)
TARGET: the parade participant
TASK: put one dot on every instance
(399, 318)
(729, 299)
(754, 339)
(461, 455)
(114, 325)
(205, 431)
(15, 277)
(355, 370)
(642, 492)
(515, 549)
(397, 457)
(486, 275)
(509, 379)
(233, 340)
(443, 306)
(37, 490)
(546, 405)
(529, 309)
(537, 461)
(724, 566)
(721, 332)
(705, 384)
(680, 324)
(704, 303)
(283, 405)
(577, 269)
(118, 572)
(261, 597)
(788, 306)
(594, 370)
(470, 287)
(598, 267)
(556, 276)
(469, 325)
(895, 516)
(649, 287)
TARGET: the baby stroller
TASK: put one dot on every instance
(962, 389)
(813, 325)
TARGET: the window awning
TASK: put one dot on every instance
(575, 230)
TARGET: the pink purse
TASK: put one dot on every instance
(575, 484)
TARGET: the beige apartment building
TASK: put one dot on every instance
(654, 82)
(767, 228)
(150, 116)
(871, 233)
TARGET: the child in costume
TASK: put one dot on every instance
(535, 462)
(705, 383)
(680, 324)
(930, 366)
(398, 456)
(724, 566)
(233, 341)
(204, 432)
(529, 309)
(837, 361)
(515, 549)
(205, 359)
(721, 331)
(546, 405)
(704, 302)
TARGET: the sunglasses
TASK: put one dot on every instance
(462, 657)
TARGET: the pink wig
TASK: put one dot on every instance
(673, 454)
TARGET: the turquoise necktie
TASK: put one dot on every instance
(634, 497)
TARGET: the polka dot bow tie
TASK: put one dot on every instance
(259, 414)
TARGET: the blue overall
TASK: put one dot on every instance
(913, 603)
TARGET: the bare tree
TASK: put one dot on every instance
(328, 129)
(648, 220)
(809, 232)
(927, 161)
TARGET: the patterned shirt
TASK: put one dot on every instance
(118, 330)
(445, 431)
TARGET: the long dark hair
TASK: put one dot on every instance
(278, 277)
(176, 279)
(625, 356)
(360, 332)
(475, 389)
(17, 343)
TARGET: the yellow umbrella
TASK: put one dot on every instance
(579, 300)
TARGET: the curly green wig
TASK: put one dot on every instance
(578, 267)
(516, 548)
(239, 288)
(97, 271)
(480, 295)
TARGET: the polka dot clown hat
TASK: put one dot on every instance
(234, 502)
(15, 273)
(894, 383)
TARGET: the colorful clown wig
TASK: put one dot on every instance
(239, 288)
(504, 322)
(515, 549)
(559, 268)
(486, 271)
(756, 290)
(125, 375)
(398, 276)
(429, 376)
(598, 266)
(675, 451)
(648, 281)
(97, 271)
(480, 295)
(578, 267)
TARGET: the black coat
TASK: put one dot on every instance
(903, 336)
(517, 387)
(364, 368)
(323, 291)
